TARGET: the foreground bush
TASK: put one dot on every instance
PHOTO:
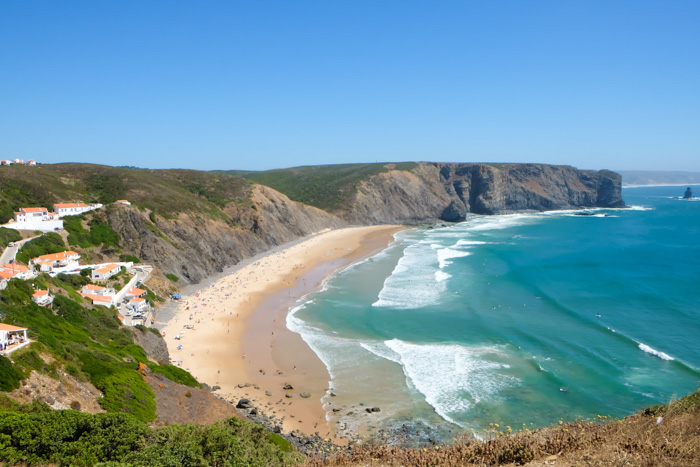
(67, 437)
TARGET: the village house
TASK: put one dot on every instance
(138, 304)
(31, 162)
(92, 289)
(105, 272)
(123, 201)
(98, 295)
(73, 209)
(135, 292)
(12, 337)
(42, 297)
(5, 162)
(102, 300)
(46, 263)
(35, 214)
(19, 271)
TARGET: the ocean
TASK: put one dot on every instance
(523, 319)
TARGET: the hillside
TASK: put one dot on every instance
(192, 224)
(425, 192)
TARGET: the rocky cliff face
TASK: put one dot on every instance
(194, 245)
(442, 191)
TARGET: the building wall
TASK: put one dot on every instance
(43, 226)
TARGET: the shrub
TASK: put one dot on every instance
(48, 243)
(128, 258)
(9, 376)
(8, 235)
(172, 277)
(176, 375)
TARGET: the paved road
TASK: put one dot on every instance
(11, 251)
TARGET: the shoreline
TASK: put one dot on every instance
(230, 330)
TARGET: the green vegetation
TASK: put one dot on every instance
(326, 186)
(176, 374)
(67, 437)
(46, 244)
(90, 343)
(9, 376)
(100, 233)
(104, 187)
(151, 296)
(172, 277)
(129, 258)
(8, 235)
(165, 192)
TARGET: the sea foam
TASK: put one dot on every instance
(452, 378)
(413, 283)
(661, 355)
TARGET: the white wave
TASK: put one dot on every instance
(445, 254)
(638, 208)
(441, 276)
(452, 378)
(412, 284)
(470, 243)
(661, 355)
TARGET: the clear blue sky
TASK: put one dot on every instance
(266, 84)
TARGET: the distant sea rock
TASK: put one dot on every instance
(688, 193)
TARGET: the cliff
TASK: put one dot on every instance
(450, 191)
(194, 246)
(193, 224)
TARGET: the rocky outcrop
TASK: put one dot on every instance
(152, 343)
(194, 245)
(450, 191)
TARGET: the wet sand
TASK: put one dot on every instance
(239, 340)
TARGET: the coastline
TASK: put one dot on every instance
(239, 340)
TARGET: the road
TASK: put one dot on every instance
(11, 251)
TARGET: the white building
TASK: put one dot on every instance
(46, 263)
(105, 272)
(73, 209)
(38, 218)
(42, 297)
(138, 304)
(123, 201)
(12, 335)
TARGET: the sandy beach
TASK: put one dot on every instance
(232, 333)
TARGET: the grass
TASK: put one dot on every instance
(91, 342)
(326, 186)
(165, 192)
(99, 234)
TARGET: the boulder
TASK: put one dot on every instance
(244, 404)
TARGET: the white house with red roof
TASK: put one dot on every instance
(135, 292)
(105, 272)
(35, 218)
(19, 271)
(42, 297)
(123, 201)
(46, 263)
(12, 337)
(99, 295)
(138, 304)
(73, 209)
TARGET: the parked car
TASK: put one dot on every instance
(11, 244)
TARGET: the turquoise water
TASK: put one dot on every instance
(527, 318)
